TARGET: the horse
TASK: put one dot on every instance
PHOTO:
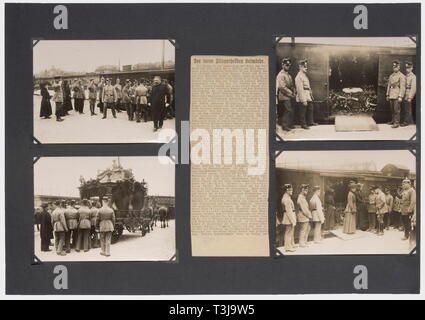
(163, 216)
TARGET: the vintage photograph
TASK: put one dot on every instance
(104, 209)
(358, 88)
(346, 202)
(103, 91)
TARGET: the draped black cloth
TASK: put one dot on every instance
(46, 107)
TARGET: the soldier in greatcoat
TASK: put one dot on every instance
(109, 98)
(407, 206)
(58, 99)
(304, 216)
(304, 96)
(92, 97)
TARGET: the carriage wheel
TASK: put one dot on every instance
(116, 234)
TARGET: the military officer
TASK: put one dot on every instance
(71, 217)
(381, 210)
(289, 217)
(106, 218)
(371, 209)
(389, 217)
(304, 215)
(58, 98)
(396, 89)
(94, 212)
(84, 227)
(118, 93)
(126, 98)
(92, 96)
(285, 91)
(304, 96)
(109, 98)
(316, 209)
(407, 206)
(59, 227)
(409, 95)
(158, 97)
(142, 102)
(132, 96)
(100, 87)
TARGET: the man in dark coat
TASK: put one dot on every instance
(46, 228)
(159, 95)
(46, 107)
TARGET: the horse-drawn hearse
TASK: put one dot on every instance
(127, 198)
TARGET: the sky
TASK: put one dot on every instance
(381, 158)
(60, 175)
(363, 41)
(86, 55)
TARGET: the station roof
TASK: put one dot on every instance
(399, 42)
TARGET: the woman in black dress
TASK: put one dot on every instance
(46, 107)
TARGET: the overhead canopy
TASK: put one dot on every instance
(400, 42)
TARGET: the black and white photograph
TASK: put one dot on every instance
(359, 88)
(104, 209)
(346, 202)
(103, 91)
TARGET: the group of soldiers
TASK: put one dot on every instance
(76, 225)
(141, 99)
(401, 90)
(375, 213)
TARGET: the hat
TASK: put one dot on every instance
(406, 181)
(304, 186)
(286, 61)
(303, 62)
(396, 63)
(286, 187)
(315, 188)
(44, 205)
(57, 203)
(409, 64)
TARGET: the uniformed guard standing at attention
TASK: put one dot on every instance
(407, 206)
(108, 99)
(406, 106)
(316, 209)
(84, 227)
(381, 210)
(106, 218)
(142, 102)
(71, 216)
(371, 209)
(304, 96)
(396, 89)
(304, 216)
(59, 227)
(58, 98)
(289, 217)
(285, 92)
(118, 93)
(126, 98)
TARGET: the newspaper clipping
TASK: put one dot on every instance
(229, 162)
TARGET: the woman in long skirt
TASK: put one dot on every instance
(350, 211)
(46, 107)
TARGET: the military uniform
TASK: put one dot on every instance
(59, 228)
(318, 217)
(71, 217)
(303, 218)
(381, 210)
(58, 99)
(94, 212)
(126, 100)
(118, 94)
(84, 228)
(106, 218)
(158, 96)
(407, 207)
(109, 97)
(100, 87)
(92, 98)
(389, 217)
(79, 98)
(142, 103)
(304, 97)
(289, 220)
(285, 92)
(371, 209)
(408, 97)
(395, 92)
